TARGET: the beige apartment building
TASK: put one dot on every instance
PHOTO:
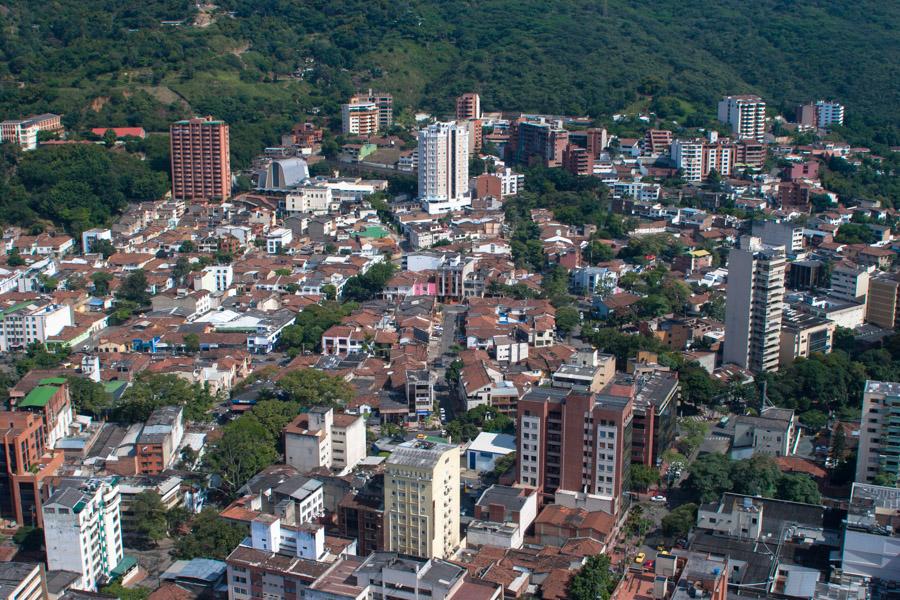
(421, 499)
(883, 302)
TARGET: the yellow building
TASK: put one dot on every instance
(421, 499)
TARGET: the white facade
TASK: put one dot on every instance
(359, 118)
(92, 235)
(21, 133)
(829, 113)
(307, 448)
(688, 157)
(348, 441)
(510, 182)
(755, 302)
(278, 240)
(639, 190)
(444, 168)
(27, 323)
(309, 198)
(850, 282)
(787, 234)
(745, 114)
(82, 531)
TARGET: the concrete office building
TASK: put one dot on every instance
(201, 159)
(82, 530)
(753, 311)
(850, 282)
(539, 140)
(591, 431)
(879, 444)
(784, 233)
(421, 499)
(745, 114)
(320, 438)
(444, 168)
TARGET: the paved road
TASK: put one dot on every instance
(440, 357)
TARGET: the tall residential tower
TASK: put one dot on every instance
(755, 305)
(421, 499)
(745, 114)
(201, 159)
(444, 167)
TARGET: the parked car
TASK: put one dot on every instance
(658, 499)
(639, 559)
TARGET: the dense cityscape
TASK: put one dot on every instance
(480, 354)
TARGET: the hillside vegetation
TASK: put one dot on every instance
(111, 62)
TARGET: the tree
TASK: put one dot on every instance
(191, 343)
(210, 537)
(14, 259)
(88, 396)
(643, 477)
(155, 390)
(798, 487)
(594, 581)
(149, 516)
(101, 280)
(243, 450)
(678, 523)
(756, 476)
(311, 387)
(273, 415)
(117, 590)
(710, 476)
(567, 319)
(697, 386)
(838, 443)
(103, 247)
(368, 285)
(134, 288)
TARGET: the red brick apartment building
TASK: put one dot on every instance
(25, 463)
(201, 159)
(578, 161)
(468, 106)
(593, 433)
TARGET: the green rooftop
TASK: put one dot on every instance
(38, 397)
(126, 564)
(373, 232)
(15, 307)
(53, 381)
(112, 387)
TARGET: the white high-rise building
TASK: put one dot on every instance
(745, 114)
(755, 304)
(688, 156)
(444, 167)
(82, 530)
(829, 113)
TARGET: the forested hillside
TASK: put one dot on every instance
(113, 62)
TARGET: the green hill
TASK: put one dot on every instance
(113, 62)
